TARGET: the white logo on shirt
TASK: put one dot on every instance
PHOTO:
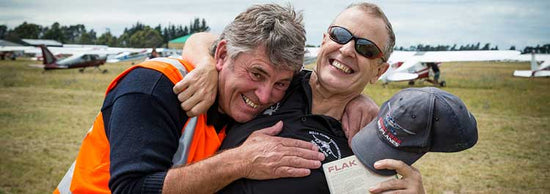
(326, 144)
(272, 109)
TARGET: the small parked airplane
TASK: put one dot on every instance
(411, 66)
(128, 56)
(113, 54)
(82, 60)
(537, 70)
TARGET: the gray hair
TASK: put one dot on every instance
(279, 29)
(375, 11)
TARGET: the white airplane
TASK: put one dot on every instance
(311, 55)
(18, 50)
(81, 61)
(131, 55)
(63, 52)
(114, 54)
(537, 70)
(411, 66)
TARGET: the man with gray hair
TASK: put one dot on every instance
(353, 54)
(142, 142)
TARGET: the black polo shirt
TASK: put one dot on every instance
(295, 112)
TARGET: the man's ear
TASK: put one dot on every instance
(382, 68)
(221, 54)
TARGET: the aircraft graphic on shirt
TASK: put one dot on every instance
(271, 109)
(325, 146)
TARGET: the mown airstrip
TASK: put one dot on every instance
(45, 115)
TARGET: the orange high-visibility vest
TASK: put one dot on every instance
(90, 172)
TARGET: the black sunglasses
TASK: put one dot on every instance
(363, 46)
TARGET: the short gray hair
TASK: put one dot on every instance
(375, 11)
(279, 29)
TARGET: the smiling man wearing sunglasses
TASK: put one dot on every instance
(353, 53)
(349, 56)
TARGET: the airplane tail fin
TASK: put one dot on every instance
(47, 55)
(533, 62)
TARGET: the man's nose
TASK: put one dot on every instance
(348, 49)
(264, 93)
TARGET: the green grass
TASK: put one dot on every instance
(45, 115)
(43, 118)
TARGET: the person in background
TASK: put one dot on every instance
(154, 54)
(435, 69)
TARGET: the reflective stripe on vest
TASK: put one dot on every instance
(90, 172)
(175, 63)
(185, 143)
(65, 184)
(180, 157)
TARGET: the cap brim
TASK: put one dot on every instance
(368, 146)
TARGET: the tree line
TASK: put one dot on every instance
(545, 49)
(138, 36)
(141, 35)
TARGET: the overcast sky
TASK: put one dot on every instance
(499, 22)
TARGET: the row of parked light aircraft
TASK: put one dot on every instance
(404, 65)
(412, 66)
(82, 56)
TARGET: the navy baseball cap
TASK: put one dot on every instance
(415, 121)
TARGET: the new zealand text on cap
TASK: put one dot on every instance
(413, 122)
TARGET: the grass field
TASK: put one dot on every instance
(45, 115)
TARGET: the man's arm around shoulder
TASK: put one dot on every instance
(262, 156)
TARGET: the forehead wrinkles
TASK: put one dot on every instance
(251, 57)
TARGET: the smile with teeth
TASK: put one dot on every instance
(341, 67)
(249, 102)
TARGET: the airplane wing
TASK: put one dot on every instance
(128, 55)
(12, 48)
(463, 56)
(311, 55)
(24, 49)
(400, 71)
(528, 73)
(395, 77)
(537, 70)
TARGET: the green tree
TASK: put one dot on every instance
(88, 37)
(135, 28)
(54, 33)
(198, 26)
(107, 39)
(123, 40)
(3, 31)
(28, 30)
(477, 46)
(204, 27)
(12, 36)
(453, 48)
(486, 47)
(158, 29)
(185, 31)
(145, 38)
(73, 34)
